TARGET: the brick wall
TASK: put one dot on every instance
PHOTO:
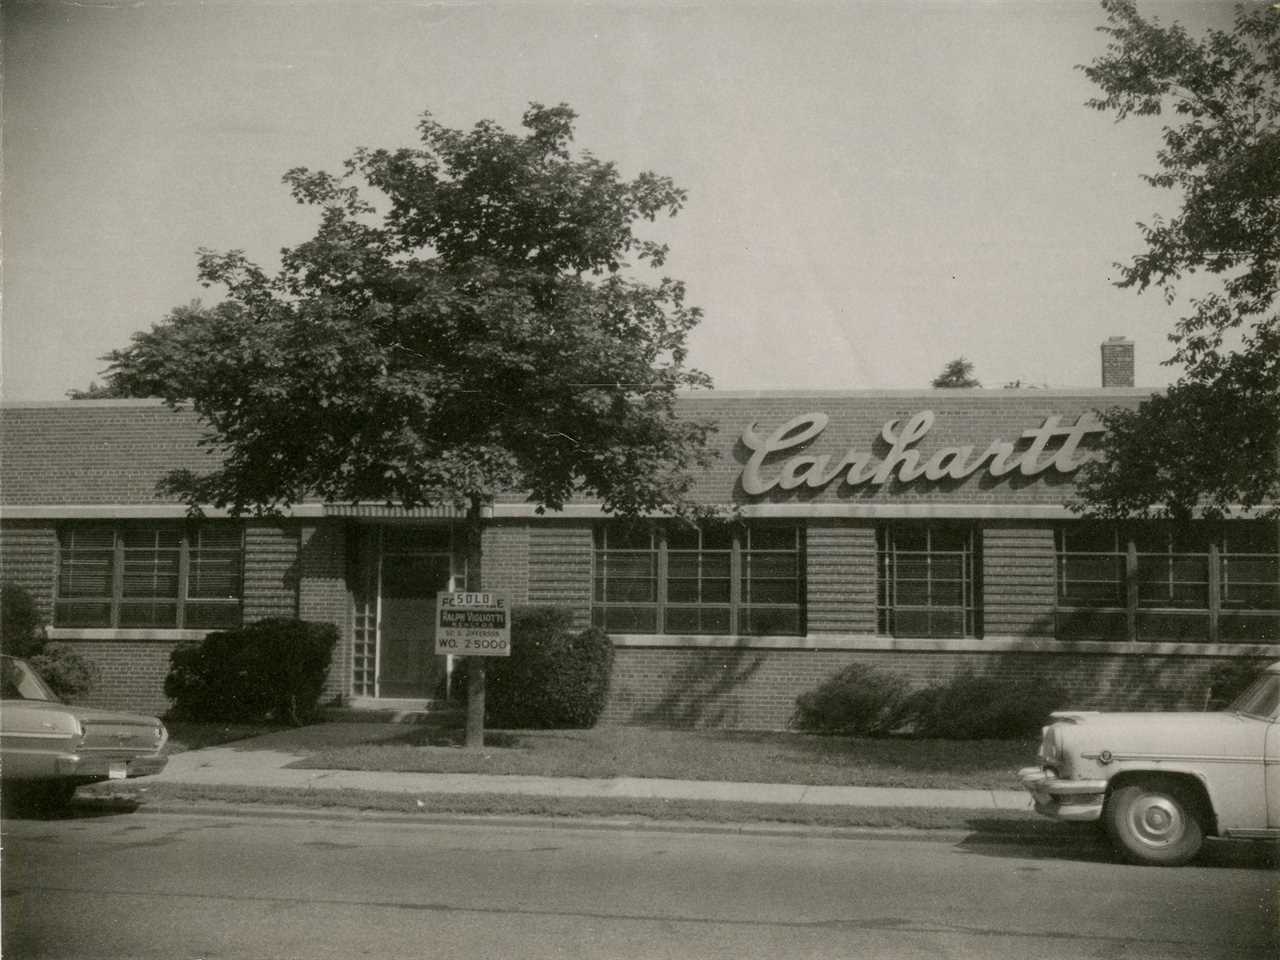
(560, 567)
(840, 570)
(1117, 362)
(29, 558)
(271, 570)
(130, 673)
(1019, 580)
(323, 594)
(757, 688)
(505, 559)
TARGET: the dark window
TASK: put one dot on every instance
(150, 576)
(626, 579)
(772, 580)
(1155, 581)
(86, 577)
(927, 581)
(1092, 596)
(1249, 582)
(716, 579)
(215, 582)
(699, 581)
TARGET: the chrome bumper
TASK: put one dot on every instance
(1074, 800)
(108, 768)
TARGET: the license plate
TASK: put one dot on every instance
(117, 771)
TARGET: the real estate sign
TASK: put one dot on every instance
(473, 624)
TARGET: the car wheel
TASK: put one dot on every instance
(1153, 823)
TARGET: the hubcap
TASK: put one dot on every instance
(1157, 821)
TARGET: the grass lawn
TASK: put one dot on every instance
(742, 756)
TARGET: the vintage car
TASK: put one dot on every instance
(49, 748)
(1161, 782)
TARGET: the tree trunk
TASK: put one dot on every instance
(475, 703)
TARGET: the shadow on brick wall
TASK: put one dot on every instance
(707, 694)
(1113, 679)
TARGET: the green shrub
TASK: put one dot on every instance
(971, 707)
(859, 700)
(67, 673)
(1228, 680)
(554, 677)
(269, 670)
(21, 629)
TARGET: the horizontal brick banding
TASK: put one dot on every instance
(1019, 580)
(560, 556)
(505, 559)
(840, 569)
(29, 559)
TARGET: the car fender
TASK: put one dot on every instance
(1144, 772)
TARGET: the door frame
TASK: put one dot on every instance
(457, 580)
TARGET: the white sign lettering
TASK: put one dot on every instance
(473, 624)
(903, 462)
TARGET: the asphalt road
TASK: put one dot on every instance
(143, 885)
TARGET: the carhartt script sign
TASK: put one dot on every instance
(473, 624)
(902, 462)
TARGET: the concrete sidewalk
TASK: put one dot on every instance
(228, 766)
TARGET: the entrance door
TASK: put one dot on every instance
(407, 664)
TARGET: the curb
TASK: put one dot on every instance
(1034, 833)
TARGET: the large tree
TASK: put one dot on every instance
(474, 327)
(1210, 442)
(480, 324)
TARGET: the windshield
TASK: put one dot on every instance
(19, 682)
(1260, 698)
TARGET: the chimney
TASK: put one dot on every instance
(1117, 362)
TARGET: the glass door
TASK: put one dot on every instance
(407, 664)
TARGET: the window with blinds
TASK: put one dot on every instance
(1148, 580)
(927, 580)
(150, 576)
(718, 579)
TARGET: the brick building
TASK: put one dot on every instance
(925, 531)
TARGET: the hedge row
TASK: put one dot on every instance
(862, 700)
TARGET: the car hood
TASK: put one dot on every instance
(1167, 734)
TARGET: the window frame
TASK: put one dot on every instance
(667, 543)
(889, 580)
(1140, 615)
(189, 612)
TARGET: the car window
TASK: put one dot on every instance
(19, 682)
(1261, 698)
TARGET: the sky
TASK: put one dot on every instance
(874, 188)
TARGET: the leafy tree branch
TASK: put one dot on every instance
(1210, 444)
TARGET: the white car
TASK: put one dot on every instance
(1161, 782)
(49, 748)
